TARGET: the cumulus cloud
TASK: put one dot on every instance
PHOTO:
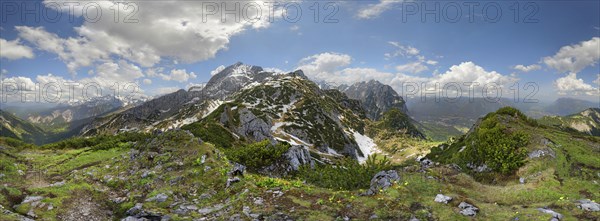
(118, 78)
(14, 50)
(571, 85)
(574, 58)
(527, 68)
(321, 66)
(18, 83)
(333, 68)
(186, 34)
(597, 81)
(121, 71)
(470, 72)
(374, 10)
(180, 75)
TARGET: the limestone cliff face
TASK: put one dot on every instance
(376, 98)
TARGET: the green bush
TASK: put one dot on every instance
(516, 113)
(101, 142)
(257, 155)
(349, 174)
(16, 143)
(500, 148)
(211, 132)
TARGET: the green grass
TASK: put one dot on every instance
(325, 193)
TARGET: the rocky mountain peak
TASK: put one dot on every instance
(376, 98)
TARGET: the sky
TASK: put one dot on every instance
(529, 51)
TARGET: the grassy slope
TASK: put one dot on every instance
(12, 126)
(102, 174)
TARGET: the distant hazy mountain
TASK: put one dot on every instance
(14, 127)
(60, 117)
(568, 106)
(587, 121)
(442, 119)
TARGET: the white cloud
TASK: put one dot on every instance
(74, 52)
(18, 83)
(403, 51)
(574, 58)
(470, 72)
(166, 90)
(421, 63)
(597, 81)
(147, 81)
(121, 71)
(431, 62)
(570, 84)
(527, 68)
(413, 67)
(180, 75)
(118, 78)
(294, 28)
(185, 34)
(319, 66)
(353, 75)
(332, 68)
(217, 70)
(374, 10)
(14, 50)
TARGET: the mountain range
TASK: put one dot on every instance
(250, 103)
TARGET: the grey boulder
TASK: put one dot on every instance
(441, 198)
(382, 181)
(468, 209)
(588, 205)
(555, 215)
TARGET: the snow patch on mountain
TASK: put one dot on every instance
(212, 106)
(181, 123)
(366, 144)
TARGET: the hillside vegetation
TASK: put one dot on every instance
(181, 175)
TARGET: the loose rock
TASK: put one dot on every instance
(468, 209)
(382, 181)
(231, 181)
(158, 198)
(551, 212)
(588, 205)
(440, 198)
(238, 169)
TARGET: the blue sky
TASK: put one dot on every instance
(555, 44)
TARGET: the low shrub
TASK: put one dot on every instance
(499, 147)
(257, 155)
(211, 132)
(349, 174)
